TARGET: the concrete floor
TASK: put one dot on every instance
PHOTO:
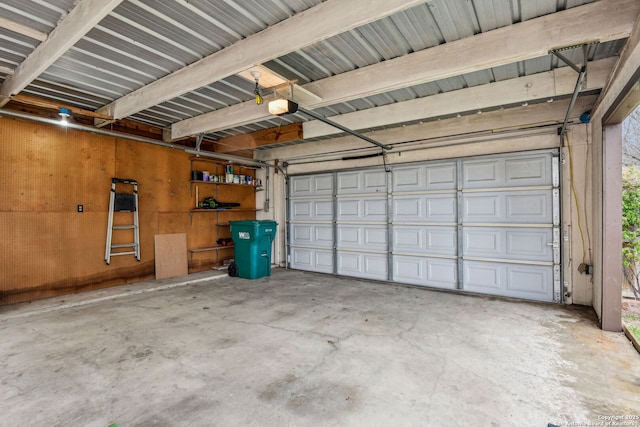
(307, 349)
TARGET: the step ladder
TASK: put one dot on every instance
(123, 202)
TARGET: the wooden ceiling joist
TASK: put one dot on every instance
(260, 138)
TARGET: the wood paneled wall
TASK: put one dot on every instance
(47, 248)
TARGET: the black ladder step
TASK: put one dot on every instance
(124, 227)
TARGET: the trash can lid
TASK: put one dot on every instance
(247, 222)
(253, 222)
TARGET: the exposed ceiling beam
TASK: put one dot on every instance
(559, 82)
(602, 21)
(22, 29)
(313, 25)
(6, 70)
(260, 138)
(621, 93)
(556, 83)
(46, 103)
(514, 118)
(82, 18)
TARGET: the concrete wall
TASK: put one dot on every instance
(48, 248)
(486, 139)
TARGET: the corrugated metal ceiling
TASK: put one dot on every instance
(141, 41)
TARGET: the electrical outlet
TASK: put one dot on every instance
(585, 268)
(80, 208)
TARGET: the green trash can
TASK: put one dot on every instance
(252, 241)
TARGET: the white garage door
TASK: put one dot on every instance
(311, 223)
(361, 223)
(486, 224)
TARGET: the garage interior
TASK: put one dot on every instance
(445, 176)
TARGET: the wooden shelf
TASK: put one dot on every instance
(210, 248)
(207, 249)
(222, 162)
(202, 210)
(255, 187)
(216, 252)
(225, 210)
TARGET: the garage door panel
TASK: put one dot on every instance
(312, 235)
(441, 240)
(375, 237)
(312, 260)
(370, 237)
(482, 173)
(408, 208)
(375, 181)
(375, 209)
(533, 282)
(525, 244)
(483, 242)
(425, 271)
(409, 178)
(523, 207)
(301, 185)
(409, 238)
(425, 208)
(529, 279)
(514, 171)
(313, 185)
(349, 236)
(430, 177)
(350, 210)
(441, 208)
(301, 234)
(441, 177)
(530, 208)
(362, 265)
(302, 258)
(349, 182)
(301, 209)
(529, 244)
(311, 210)
(323, 210)
(324, 261)
(529, 171)
(483, 276)
(442, 271)
(359, 209)
(359, 182)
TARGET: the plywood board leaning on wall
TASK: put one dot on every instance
(171, 255)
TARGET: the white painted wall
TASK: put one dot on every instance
(577, 214)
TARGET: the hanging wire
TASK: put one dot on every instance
(256, 91)
(575, 197)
